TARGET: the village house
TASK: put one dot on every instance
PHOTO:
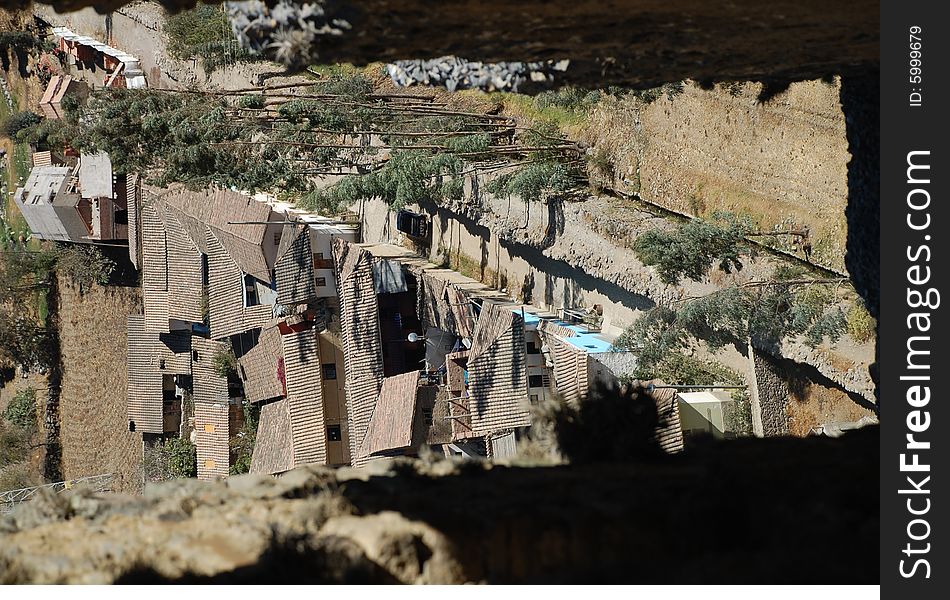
(58, 88)
(83, 202)
(351, 351)
(97, 63)
(245, 275)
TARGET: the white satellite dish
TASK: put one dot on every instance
(467, 343)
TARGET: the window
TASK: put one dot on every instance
(277, 238)
(161, 364)
(427, 417)
(534, 398)
(250, 292)
(334, 434)
(329, 371)
(321, 281)
(204, 271)
(533, 348)
(319, 262)
(209, 427)
(535, 381)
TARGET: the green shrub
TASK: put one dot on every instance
(182, 458)
(84, 265)
(223, 361)
(251, 101)
(21, 411)
(189, 30)
(861, 325)
(242, 444)
(19, 121)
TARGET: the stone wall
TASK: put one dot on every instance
(769, 396)
(693, 518)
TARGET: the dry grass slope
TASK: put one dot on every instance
(94, 425)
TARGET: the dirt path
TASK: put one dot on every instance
(94, 424)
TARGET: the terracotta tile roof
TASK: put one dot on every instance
(391, 425)
(174, 352)
(305, 394)
(208, 386)
(133, 200)
(497, 366)
(216, 208)
(210, 394)
(248, 256)
(445, 305)
(570, 369)
(154, 268)
(362, 349)
(184, 272)
(144, 378)
(669, 433)
(212, 433)
(261, 365)
(197, 230)
(228, 315)
(294, 266)
(456, 404)
(273, 448)
(150, 356)
(555, 329)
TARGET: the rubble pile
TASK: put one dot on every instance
(457, 73)
(286, 32)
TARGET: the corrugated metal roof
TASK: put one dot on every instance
(294, 266)
(273, 446)
(388, 276)
(305, 394)
(260, 366)
(362, 349)
(144, 379)
(498, 382)
(154, 268)
(390, 427)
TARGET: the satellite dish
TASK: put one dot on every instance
(414, 337)
(467, 343)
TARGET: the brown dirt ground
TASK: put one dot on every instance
(94, 423)
(821, 405)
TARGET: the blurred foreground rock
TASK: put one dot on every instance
(757, 511)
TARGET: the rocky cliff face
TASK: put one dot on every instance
(776, 510)
(783, 161)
